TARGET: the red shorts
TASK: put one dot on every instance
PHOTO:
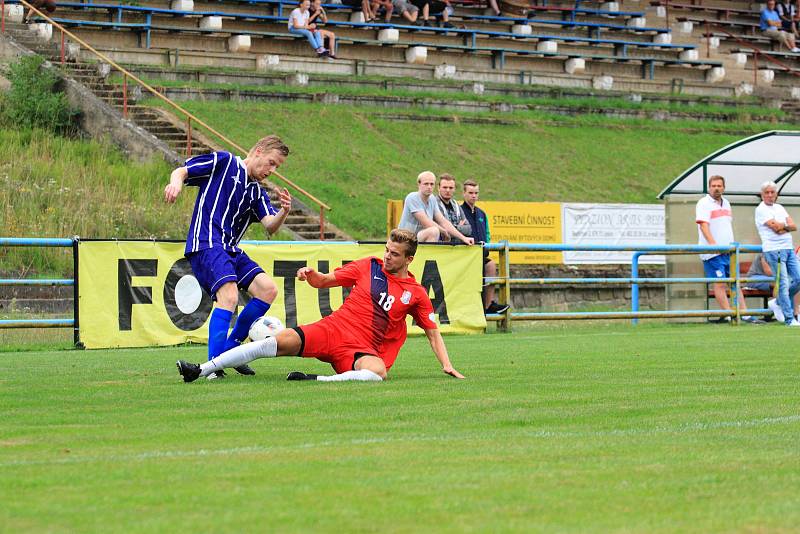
(326, 342)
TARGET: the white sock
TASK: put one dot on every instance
(246, 353)
(363, 375)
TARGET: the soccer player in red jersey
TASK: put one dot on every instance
(362, 338)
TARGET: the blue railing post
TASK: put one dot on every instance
(634, 285)
(44, 323)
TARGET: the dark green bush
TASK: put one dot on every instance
(34, 100)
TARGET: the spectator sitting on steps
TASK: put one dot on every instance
(366, 8)
(406, 9)
(299, 25)
(771, 25)
(41, 5)
(388, 9)
(318, 16)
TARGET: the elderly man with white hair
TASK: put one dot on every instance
(774, 226)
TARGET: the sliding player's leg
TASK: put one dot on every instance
(286, 343)
(367, 368)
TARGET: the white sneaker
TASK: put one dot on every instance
(795, 50)
(794, 322)
(776, 310)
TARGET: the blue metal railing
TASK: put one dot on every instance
(505, 281)
(44, 323)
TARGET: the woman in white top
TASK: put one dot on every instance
(299, 25)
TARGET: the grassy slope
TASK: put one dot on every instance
(352, 158)
(554, 430)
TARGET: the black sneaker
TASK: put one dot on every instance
(494, 307)
(297, 375)
(189, 371)
(245, 370)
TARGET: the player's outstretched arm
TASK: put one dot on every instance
(175, 184)
(437, 344)
(272, 222)
(315, 279)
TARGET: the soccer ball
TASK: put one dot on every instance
(264, 327)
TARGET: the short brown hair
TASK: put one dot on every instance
(715, 178)
(470, 183)
(270, 142)
(447, 177)
(405, 236)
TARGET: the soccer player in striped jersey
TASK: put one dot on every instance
(230, 197)
(362, 338)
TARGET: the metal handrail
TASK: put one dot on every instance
(756, 49)
(61, 322)
(505, 281)
(152, 90)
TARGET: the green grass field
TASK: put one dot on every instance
(575, 428)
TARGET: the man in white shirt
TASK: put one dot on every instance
(421, 214)
(715, 227)
(774, 226)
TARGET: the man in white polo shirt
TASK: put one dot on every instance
(715, 227)
(774, 226)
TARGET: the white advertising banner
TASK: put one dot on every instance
(612, 224)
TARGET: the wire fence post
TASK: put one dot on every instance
(708, 40)
(63, 59)
(3, 16)
(321, 223)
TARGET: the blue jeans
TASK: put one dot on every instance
(789, 283)
(314, 38)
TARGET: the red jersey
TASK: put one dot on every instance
(375, 312)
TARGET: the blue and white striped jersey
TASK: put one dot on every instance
(226, 204)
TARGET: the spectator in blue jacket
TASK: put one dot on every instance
(479, 223)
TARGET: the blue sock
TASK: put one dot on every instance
(218, 331)
(254, 309)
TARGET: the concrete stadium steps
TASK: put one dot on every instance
(193, 41)
(180, 44)
(245, 65)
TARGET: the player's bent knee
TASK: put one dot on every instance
(264, 288)
(228, 296)
(288, 342)
(371, 363)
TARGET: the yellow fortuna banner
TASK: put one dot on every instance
(139, 294)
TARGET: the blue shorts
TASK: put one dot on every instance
(214, 267)
(718, 266)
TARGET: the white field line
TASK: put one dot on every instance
(266, 449)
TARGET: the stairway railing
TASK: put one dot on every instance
(189, 117)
